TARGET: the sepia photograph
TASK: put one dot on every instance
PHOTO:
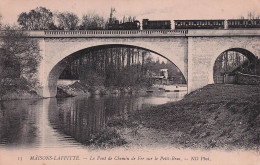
(129, 82)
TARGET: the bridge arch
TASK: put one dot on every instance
(57, 69)
(244, 51)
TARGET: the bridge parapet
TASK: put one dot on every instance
(113, 33)
(222, 32)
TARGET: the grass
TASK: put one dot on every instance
(216, 116)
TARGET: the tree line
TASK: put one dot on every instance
(19, 60)
(118, 66)
(41, 18)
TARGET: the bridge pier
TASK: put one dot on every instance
(47, 91)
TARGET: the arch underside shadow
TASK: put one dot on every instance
(61, 65)
(250, 56)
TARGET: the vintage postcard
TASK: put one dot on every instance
(129, 82)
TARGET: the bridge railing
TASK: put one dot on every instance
(111, 33)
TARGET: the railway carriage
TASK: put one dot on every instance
(243, 23)
(199, 24)
(156, 24)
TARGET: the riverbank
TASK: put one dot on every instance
(216, 116)
(71, 90)
(20, 95)
(79, 89)
(17, 89)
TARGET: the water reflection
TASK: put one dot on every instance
(67, 122)
(19, 122)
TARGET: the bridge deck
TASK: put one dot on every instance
(143, 33)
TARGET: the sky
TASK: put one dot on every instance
(151, 9)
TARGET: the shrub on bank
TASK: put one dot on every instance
(18, 88)
(106, 138)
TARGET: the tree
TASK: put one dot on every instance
(19, 56)
(92, 22)
(37, 19)
(67, 21)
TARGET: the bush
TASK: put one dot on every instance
(107, 138)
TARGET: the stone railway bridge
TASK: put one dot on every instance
(193, 51)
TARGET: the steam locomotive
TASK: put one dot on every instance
(186, 24)
(135, 25)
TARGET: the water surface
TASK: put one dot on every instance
(68, 122)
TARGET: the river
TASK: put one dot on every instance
(68, 122)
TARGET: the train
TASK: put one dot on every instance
(185, 24)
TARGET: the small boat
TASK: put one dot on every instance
(175, 88)
(161, 89)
